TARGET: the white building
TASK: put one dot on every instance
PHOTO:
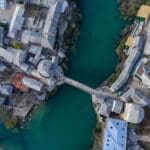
(51, 22)
(3, 67)
(142, 72)
(133, 113)
(3, 4)
(117, 106)
(98, 99)
(105, 108)
(45, 3)
(107, 105)
(47, 37)
(50, 82)
(12, 55)
(6, 89)
(17, 21)
(19, 57)
(32, 83)
(136, 97)
(24, 67)
(1, 35)
(7, 55)
(147, 44)
(22, 112)
(36, 54)
(31, 36)
(45, 68)
(146, 79)
(49, 3)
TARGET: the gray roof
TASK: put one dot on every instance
(117, 106)
(2, 100)
(6, 89)
(22, 111)
(34, 49)
(147, 44)
(52, 20)
(129, 64)
(45, 3)
(3, 4)
(47, 37)
(133, 113)
(31, 36)
(37, 38)
(17, 20)
(44, 68)
(3, 67)
(32, 83)
(7, 54)
(98, 99)
(136, 96)
(19, 57)
(1, 35)
(105, 108)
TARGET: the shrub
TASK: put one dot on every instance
(11, 123)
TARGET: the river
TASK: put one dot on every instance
(66, 121)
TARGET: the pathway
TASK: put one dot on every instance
(86, 88)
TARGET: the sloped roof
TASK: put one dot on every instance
(133, 113)
(3, 4)
(32, 83)
(18, 84)
(17, 20)
(147, 44)
(115, 135)
(130, 41)
(144, 11)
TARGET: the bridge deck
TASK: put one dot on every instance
(79, 85)
(86, 88)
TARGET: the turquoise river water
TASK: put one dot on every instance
(66, 121)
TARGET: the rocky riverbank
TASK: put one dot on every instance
(128, 11)
(128, 8)
(64, 34)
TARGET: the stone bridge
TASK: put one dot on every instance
(86, 88)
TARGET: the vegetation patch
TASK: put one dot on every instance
(11, 123)
(129, 8)
(98, 136)
(113, 77)
(17, 45)
(72, 33)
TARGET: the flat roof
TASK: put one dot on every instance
(144, 11)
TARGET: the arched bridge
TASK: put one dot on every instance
(85, 88)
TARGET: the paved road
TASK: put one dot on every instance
(144, 138)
